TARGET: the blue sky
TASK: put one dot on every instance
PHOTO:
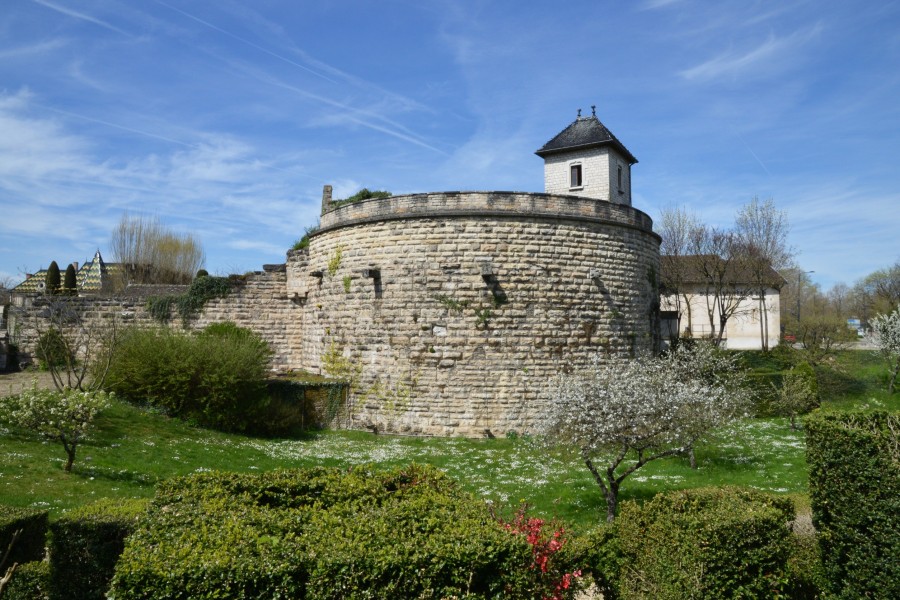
(225, 118)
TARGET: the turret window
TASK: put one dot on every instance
(575, 180)
(619, 178)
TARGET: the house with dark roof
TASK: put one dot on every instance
(696, 289)
(94, 276)
(586, 159)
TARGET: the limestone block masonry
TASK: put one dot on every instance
(260, 303)
(451, 312)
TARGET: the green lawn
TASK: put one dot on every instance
(131, 449)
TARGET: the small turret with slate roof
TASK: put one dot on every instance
(586, 159)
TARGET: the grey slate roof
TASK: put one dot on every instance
(584, 132)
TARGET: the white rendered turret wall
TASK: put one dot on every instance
(604, 175)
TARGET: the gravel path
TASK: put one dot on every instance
(13, 383)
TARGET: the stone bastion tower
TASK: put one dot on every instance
(450, 312)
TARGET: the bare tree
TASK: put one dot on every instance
(151, 253)
(83, 346)
(839, 296)
(880, 291)
(762, 233)
(719, 263)
(677, 226)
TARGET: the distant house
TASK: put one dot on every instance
(94, 276)
(688, 298)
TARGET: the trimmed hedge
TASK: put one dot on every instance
(322, 533)
(419, 544)
(85, 544)
(31, 581)
(854, 485)
(708, 543)
(30, 545)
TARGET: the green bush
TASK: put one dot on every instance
(765, 386)
(31, 581)
(85, 544)
(854, 486)
(363, 194)
(52, 349)
(322, 533)
(31, 541)
(216, 377)
(70, 281)
(706, 543)
(303, 242)
(799, 393)
(52, 279)
(419, 542)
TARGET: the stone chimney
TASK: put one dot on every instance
(326, 199)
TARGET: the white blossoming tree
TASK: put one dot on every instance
(886, 330)
(64, 416)
(622, 414)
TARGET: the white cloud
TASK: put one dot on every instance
(32, 49)
(770, 55)
(82, 16)
(654, 4)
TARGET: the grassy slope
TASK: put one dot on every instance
(132, 449)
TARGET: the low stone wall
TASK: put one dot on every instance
(260, 303)
(473, 204)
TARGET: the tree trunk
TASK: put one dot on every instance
(608, 484)
(893, 378)
(763, 322)
(612, 501)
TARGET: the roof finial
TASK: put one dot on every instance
(579, 113)
(594, 110)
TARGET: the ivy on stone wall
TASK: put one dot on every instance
(334, 263)
(191, 302)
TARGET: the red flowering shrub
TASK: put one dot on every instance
(551, 579)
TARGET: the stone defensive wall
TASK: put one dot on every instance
(259, 303)
(450, 313)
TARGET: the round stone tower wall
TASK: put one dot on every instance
(451, 312)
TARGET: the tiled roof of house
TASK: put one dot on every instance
(584, 132)
(90, 277)
(691, 268)
(33, 284)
